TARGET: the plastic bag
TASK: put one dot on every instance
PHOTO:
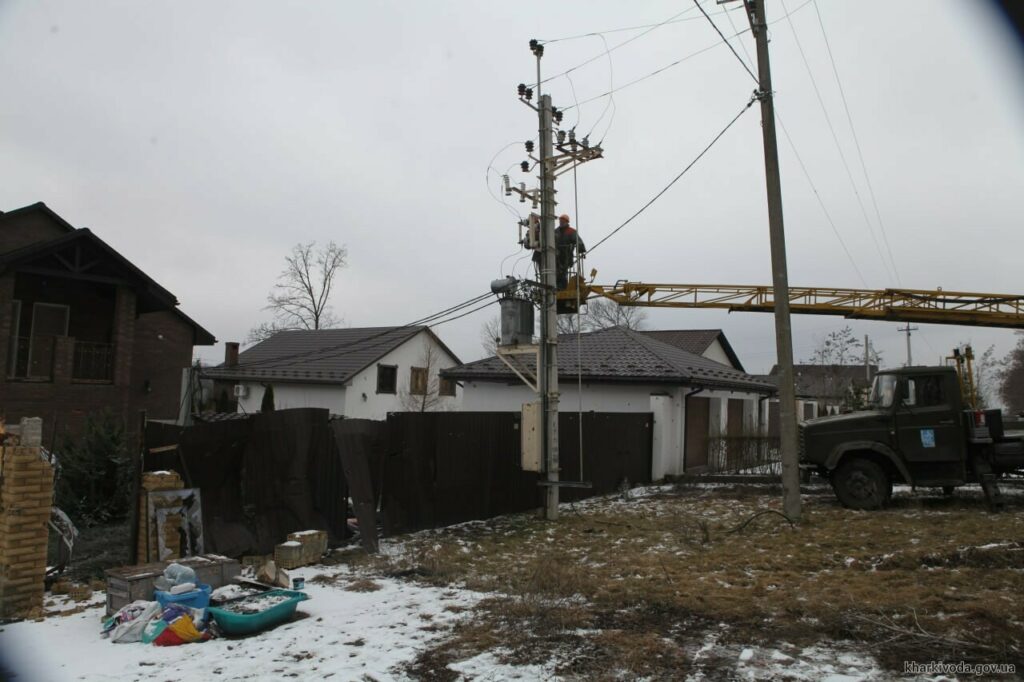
(175, 574)
(132, 620)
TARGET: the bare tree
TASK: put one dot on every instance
(490, 333)
(301, 297)
(1011, 376)
(423, 393)
(604, 313)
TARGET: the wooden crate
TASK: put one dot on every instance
(289, 555)
(314, 544)
(130, 583)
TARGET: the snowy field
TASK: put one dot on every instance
(654, 585)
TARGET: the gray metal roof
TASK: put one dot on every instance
(326, 356)
(623, 356)
(826, 381)
(695, 341)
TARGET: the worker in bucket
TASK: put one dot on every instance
(567, 245)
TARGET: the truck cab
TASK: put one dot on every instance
(915, 430)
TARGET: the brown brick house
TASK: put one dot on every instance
(83, 329)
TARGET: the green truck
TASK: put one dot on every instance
(917, 430)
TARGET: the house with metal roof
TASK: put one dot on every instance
(83, 329)
(691, 396)
(360, 373)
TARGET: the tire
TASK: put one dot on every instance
(861, 483)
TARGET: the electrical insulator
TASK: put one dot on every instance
(529, 146)
(533, 44)
(561, 137)
(522, 89)
(529, 94)
(508, 187)
(525, 166)
(572, 135)
(539, 51)
(558, 116)
(522, 192)
(586, 141)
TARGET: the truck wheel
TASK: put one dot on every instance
(860, 483)
(947, 490)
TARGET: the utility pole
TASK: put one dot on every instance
(867, 358)
(570, 154)
(908, 329)
(548, 373)
(780, 277)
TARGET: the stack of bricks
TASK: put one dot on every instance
(148, 548)
(26, 497)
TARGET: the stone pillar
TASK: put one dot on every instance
(6, 323)
(63, 359)
(124, 335)
(26, 497)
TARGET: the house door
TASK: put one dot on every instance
(49, 320)
(697, 425)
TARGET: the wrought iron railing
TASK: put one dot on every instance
(744, 454)
(93, 361)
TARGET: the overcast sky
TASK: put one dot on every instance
(202, 140)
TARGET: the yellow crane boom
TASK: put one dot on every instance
(897, 305)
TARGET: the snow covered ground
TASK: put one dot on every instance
(337, 634)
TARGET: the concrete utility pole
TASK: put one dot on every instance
(548, 371)
(908, 329)
(780, 277)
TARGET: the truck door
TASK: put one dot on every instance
(927, 426)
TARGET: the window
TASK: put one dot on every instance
(418, 380)
(925, 391)
(446, 387)
(387, 379)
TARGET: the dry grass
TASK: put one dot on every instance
(632, 588)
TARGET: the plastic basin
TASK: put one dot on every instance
(232, 623)
(197, 599)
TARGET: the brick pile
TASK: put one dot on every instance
(148, 548)
(26, 497)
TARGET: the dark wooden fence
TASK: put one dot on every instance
(283, 471)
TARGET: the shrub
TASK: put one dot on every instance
(94, 479)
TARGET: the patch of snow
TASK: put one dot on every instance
(488, 666)
(347, 635)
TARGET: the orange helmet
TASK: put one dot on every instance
(564, 216)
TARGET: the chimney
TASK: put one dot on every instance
(231, 353)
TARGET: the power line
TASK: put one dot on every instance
(628, 28)
(803, 167)
(612, 49)
(702, 50)
(821, 202)
(351, 345)
(856, 142)
(681, 174)
(724, 40)
(835, 139)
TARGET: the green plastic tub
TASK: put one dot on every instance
(233, 623)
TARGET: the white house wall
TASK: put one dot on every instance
(666, 402)
(288, 396)
(717, 353)
(359, 398)
(492, 396)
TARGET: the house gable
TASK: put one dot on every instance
(29, 225)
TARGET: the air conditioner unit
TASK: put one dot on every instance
(241, 390)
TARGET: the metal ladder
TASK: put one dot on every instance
(989, 484)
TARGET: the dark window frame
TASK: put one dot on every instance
(443, 389)
(394, 379)
(421, 386)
